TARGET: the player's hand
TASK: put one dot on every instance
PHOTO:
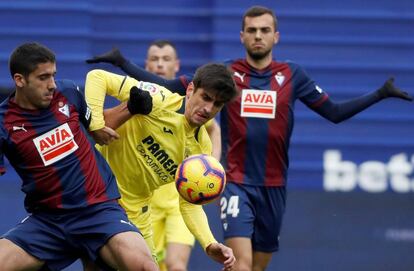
(113, 57)
(104, 136)
(390, 90)
(140, 101)
(222, 254)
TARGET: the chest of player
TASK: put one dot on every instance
(261, 95)
(45, 136)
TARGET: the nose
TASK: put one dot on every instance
(258, 35)
(208, 108)
(51, 84)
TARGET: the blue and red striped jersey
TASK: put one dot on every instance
(53, 153)
(257, 126)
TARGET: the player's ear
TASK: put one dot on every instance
(242, 37)
(177, 65)
(276, 37)
(19, 80)
(190, 90)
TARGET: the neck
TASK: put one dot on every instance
(259, 63)
(22, 101)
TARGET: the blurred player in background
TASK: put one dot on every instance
(256, 130)
(156, 142)
(71, 193)
(172, 239)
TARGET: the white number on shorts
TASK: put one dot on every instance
(229, 208)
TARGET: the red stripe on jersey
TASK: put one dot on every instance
(278, 128)
(320, 101)
(94, 185)
(236, 154)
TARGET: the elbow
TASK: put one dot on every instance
(335, 120)
(96, 73)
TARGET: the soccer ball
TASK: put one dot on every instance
(200, 179)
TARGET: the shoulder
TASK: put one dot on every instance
(292, 64)
(68, 88)
(66, 84)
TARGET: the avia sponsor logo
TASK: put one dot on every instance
(55, 144)
(370, 176)
(258, 103)
(157, 158)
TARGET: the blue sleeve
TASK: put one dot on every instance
(316, 99)
(73, 93)
(178, 85)
(305, 88)
(338, 112)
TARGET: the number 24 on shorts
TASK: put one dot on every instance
(229, 207)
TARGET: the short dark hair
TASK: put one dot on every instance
(256, 11)
(25, 58)
(162, 43)
(216, 79)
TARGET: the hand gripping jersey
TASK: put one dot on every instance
(150, 147)
(257, 126)
(53, 153)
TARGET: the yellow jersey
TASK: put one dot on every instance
(150, 147)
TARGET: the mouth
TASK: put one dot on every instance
(201, 116)
(49, 96)
(258, 45)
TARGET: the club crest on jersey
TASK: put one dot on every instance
(55, 144)
(258, 103)
(64, 109)
(280, 78)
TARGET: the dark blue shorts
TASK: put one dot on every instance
(255, 212)
(61, 237)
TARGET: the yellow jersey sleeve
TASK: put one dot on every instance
(209, 123)
(100, 83)
(196, 220)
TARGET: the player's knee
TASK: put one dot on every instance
(243, 268)
(243, 265)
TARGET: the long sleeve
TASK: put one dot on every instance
(197, 222)
(100, 83)
(178, 85)
(337, 112)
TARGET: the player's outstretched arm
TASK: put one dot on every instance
(222, 254)
(115, 57)
(338, 112)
